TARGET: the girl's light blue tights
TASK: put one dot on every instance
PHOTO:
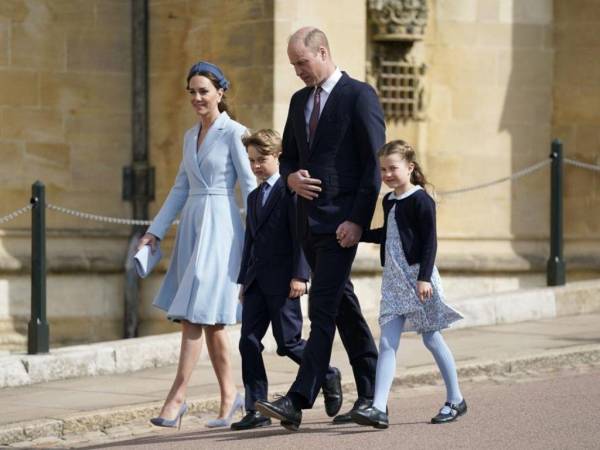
(386, 363)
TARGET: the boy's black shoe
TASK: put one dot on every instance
(332, 393)
(281, 409)
(455, 412)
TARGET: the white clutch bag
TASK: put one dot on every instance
(145, 260)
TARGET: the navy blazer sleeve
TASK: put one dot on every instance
(289, 158)
(369, 127)
(374, 236)
(301, 269)
(426, 224)
(248, 242)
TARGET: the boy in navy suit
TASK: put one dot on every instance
(273, 274)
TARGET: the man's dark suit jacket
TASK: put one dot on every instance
(343, 155)
(272, 255)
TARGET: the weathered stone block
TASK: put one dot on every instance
(526, 68)
(456, 10)
(49, 163)
(66, 363)
(577, 66)
(476, 312)
(48, 154)
(38, 45)
(13, 372)
(114, 15)
(12, 167)
(525, 305)
(4, 43)
(32, 125)
(142, 353)
(86, 91)
(20, 88)
(12, 433)
(460, 34)
(576, 11)
(532, 11)
(579, 105)
(41, 430)
(582, 299)
(15, 10)
(488, 10)
(513, 36)
(98, 128)
(99, 51)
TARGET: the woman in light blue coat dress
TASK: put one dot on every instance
(199, 289)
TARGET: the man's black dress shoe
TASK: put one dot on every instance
(455, 412)
(253, 419)
(371, 417)
(332, 393)
(281, 409)
(359, 404)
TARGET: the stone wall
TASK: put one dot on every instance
(490, 75)
(64, 119)
(576, 120)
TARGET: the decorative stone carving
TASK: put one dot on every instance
(398, 20)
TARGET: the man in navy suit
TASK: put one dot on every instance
(334, 128)
(273, 274)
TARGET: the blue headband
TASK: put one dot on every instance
(210, 68)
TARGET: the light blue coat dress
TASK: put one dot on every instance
(200, 284)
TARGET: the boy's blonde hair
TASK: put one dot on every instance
(266, 141)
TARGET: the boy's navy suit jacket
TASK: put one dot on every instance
(272, 255)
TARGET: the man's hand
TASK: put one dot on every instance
(302, 184)
(348, 234)
(424, 291)
(297, 288)
(241, 294)
(148, 239)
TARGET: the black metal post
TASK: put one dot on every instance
(138, 179)
(556, 268)
(38, 329)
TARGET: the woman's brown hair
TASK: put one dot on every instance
(223, 107)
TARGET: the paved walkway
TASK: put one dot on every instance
(66, 398)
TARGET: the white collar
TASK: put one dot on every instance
(330, 82)
(273, 179)
(408, 193)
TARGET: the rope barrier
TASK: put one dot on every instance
(96, 217)
(121, 221)
(514, 176)
(582, 165)
(13, 215)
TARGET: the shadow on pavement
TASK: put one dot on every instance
(229, 435)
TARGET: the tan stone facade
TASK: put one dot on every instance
(503, 78)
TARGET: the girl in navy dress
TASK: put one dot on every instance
(412, 298)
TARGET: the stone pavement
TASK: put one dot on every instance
(95, 404)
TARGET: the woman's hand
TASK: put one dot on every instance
(297, 288)
(424, 291)
(148, 239)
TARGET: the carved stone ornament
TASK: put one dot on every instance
(398, 20)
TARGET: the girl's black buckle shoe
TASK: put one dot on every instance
(371, 417)
(455, 412)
